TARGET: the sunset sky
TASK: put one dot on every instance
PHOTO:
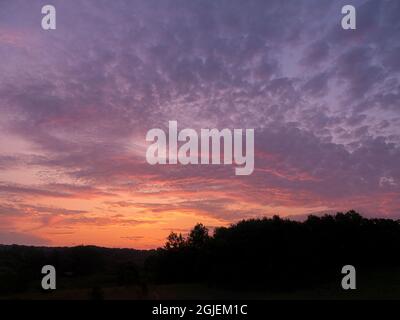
(76, 104)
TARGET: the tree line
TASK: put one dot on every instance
(278, 254)
(273, 254)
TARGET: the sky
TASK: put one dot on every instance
(76, 104)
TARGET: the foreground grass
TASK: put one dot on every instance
(370, 285)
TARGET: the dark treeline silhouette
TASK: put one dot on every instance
(272, 254)
(278, 254)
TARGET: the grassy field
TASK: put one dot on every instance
(370, 285)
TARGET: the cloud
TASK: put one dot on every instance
(323, 102)
(22, 239)
(55, 190)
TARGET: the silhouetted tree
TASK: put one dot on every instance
(174, 241)
(198, 236)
